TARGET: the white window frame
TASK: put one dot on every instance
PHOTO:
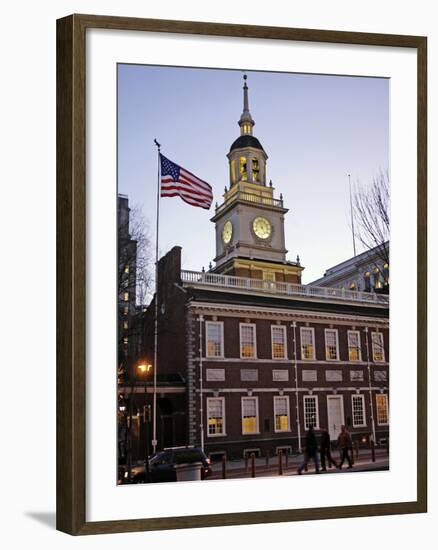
(283, 328)
(313, 343)
(382, 346)
(224, 431)
(276, 398)
(359, 345)
(255, 397)
(387, 410)
(335, 330)
(221, 323)
(362, 398)
(241, 325)
(308, 398)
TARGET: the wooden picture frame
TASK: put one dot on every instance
(71, 273)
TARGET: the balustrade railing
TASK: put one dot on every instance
(251, 197)
(276, 287)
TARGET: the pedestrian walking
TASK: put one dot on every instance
(310, 451)
(325, 451)
(345, 444)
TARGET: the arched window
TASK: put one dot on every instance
(242, 168)
(233, 170)
(367, 279)
(377, 278)
(255, 169)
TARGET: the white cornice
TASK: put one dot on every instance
(260, 312)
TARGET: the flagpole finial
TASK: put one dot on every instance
(157, 144)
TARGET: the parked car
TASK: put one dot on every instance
(162, 465)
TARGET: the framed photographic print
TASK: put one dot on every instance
(241, 229)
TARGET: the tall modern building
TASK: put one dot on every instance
(255, 357)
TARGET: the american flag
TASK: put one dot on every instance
(178, 182)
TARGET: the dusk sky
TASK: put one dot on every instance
(316, 129)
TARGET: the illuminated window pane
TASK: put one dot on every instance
(307, 343)
(281, 413)
(377, 347)
(125, 325)
(126, 268)
(249, 415)
(126, 296)
(125, 310)
(247, 341)
(353, 345)
(382, 408)
(331, 345)
(215, 416)
(242, 168)
(278, 334)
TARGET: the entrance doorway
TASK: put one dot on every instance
(335, 415)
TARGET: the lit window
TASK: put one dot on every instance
(354, 345)
(311, 415)
(358, 408)
(216, 415)
(250, 423)
(126, 296)
(331, 345)
(215, 339)
(233, 170)
(125, 310)
(377, 278)
(247, 341)
(353, 286)
(125, 340)
(281, 414)
(126, 268)
(242, 168)
(125, 325)
(278, 339)
(377, 347)
(307, 343)
(382, 408)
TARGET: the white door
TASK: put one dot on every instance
(335, 415)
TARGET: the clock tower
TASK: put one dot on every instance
(250, 222)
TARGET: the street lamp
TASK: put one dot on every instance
(142, 368)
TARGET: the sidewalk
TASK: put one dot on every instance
(237, 468)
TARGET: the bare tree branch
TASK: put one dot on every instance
(372, 215)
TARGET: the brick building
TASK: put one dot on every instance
(259, 356)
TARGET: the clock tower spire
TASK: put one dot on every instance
(250, 222)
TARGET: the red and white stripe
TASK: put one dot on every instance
(190, 188)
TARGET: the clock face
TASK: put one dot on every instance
(262, 228)
(227, 232)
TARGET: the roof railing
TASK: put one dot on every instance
(208, 279)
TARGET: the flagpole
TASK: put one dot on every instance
(154, 431)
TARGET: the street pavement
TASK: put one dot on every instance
(239, 468)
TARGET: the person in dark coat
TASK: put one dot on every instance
(324, 450)
(345, 444)
(310, 451)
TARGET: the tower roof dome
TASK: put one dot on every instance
(246, 140)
